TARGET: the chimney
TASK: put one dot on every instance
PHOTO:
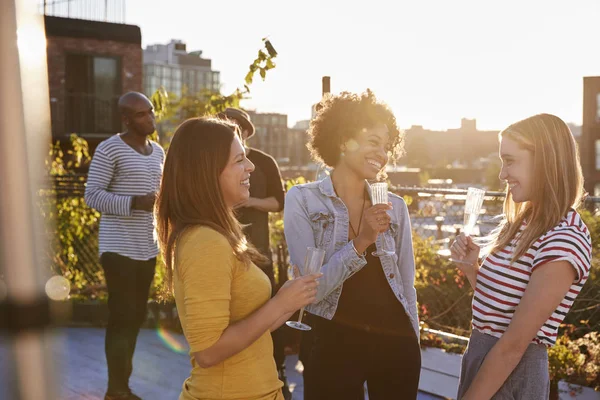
(326, 85)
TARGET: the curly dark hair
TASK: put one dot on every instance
(341, 117)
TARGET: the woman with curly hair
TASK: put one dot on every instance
(365, 324)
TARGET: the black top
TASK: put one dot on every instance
(368, 303)
(265, 181)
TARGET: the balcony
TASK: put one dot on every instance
(91, 10)
(86, 114)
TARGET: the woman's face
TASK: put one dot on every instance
(367, 153)
(235, 178)
(517, 169)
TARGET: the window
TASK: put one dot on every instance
(597, 155)
(176, 74)
(105, 75)
(93, 87)
(176, 88)
(189, 81)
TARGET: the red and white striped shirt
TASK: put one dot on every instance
(500, 285)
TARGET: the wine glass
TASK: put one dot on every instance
(312, 264)
(379, 195)
(473, 204)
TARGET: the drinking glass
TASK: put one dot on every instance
(473, 205)
(379, 195)
(312, 264)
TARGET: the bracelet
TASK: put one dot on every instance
(356, 251)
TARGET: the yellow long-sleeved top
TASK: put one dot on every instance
(213, 290)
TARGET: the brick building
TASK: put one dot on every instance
(271, 135)
(90, 65)
(589, 147)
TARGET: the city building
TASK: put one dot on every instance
(272, 135)
(92, 60)
(590, 134)
(170, 66)
(464, 146)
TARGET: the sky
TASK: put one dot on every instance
(432, 61)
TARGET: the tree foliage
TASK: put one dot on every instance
(175, 109)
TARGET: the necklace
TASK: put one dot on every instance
(362, 210)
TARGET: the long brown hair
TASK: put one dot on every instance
(557, 183)
(190, 193)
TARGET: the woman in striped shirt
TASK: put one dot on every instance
(537, 261)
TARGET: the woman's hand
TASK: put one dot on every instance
(465, 255)
(375, 221)
(298, 292)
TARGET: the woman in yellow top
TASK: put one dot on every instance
(223, 300)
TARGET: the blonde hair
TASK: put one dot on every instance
(557, 182)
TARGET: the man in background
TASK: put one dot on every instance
(123, 179)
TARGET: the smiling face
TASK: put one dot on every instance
(517, 169)
(235, 178)
(367, 153)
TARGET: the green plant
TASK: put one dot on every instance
(68, 220)
(443, 292)
(576, 361)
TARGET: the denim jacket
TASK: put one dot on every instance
(314, 216)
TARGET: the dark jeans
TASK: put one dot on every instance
(128, 282)
(341, 359)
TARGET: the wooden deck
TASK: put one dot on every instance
(160, 366)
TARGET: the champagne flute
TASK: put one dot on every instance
(312, 264)
(473, 204)
(379, 195)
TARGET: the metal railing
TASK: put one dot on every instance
(85, 113)
(93, 10)
(436, 216)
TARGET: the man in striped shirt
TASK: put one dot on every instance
(123, 179)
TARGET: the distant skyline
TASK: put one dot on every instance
(434, 62)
